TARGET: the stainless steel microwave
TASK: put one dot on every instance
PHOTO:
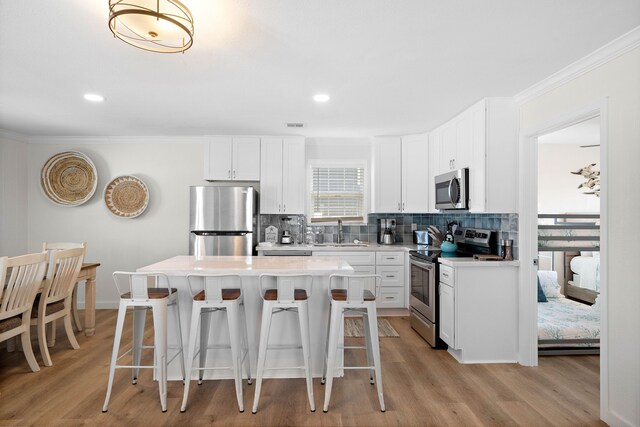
(452, 190)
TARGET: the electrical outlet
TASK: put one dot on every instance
(414, 227)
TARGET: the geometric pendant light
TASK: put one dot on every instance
(164, 26)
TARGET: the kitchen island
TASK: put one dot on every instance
(284, 331)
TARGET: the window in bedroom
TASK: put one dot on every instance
(337, 191)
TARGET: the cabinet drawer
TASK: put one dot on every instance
(392, 275)
(389, 258)
(390, 298)
(447, 275)
(353, 258)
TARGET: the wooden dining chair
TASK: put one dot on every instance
(55, 300)
(20, 280)
(47, 246)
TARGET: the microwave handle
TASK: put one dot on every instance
(449, 191)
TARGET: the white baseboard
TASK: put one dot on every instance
(615, 420)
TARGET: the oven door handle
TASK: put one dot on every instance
(425, 265)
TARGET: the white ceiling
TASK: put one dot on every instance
(391, 67)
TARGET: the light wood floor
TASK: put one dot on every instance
(422, 387)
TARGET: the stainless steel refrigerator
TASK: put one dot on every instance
(222, 220)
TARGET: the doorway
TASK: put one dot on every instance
(528, 233)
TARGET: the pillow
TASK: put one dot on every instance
(549, 284)
(541, 296)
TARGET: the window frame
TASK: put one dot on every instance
(337, 164)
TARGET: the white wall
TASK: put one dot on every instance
(619, 82)
(13, 195)
(160, 232)
(557, 188)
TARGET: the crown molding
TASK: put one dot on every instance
(6, 134)
(116, 139)
(595, 59)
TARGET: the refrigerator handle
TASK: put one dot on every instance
(221, 233)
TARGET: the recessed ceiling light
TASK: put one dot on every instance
(321, 97)
(93, 97)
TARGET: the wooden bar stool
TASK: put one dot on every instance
(219, 292)
(135, 293)
(285, 293)
(348, 294)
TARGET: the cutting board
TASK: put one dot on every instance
(486, 257)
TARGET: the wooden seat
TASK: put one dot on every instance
(20, 280)
(227, 295)
(55, 300)
(49, 247)
(341, 295)
(298, 295)
(154, 293)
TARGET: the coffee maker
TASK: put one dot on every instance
(386, 231)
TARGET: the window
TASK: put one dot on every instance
(337, 191)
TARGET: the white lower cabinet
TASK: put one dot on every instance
(388, 264)
(479, 312)
(447, 318)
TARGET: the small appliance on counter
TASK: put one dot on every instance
(386, 231)
(286, 238)
(421, 237)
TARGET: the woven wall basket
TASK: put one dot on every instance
(126, 196)
(69, 178)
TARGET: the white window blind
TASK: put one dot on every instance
(337, 192)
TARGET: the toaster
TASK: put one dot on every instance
(421, 237)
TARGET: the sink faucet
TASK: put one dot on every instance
(340, 237)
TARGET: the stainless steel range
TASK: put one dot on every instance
(423, 262)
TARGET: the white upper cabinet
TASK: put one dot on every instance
(282, 175)
(231, 158)
(388, 174)
(401, 174)
(415, 173)
(483, 138)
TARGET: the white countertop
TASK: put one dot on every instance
(470, 262)
(337, 248)
(249, 266)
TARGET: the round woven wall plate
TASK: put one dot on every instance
(69, 178)
(126, 196)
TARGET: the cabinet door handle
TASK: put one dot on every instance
(229, 173)
(399, 206)
(234, 173)
(391, 276)
(284, 208)
(279, 207)
(390, 257)
(403, 208)
(388, 297)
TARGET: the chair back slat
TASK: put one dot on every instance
(64, 267)
(19, 286)
(285, 285)
(355, 285)
(213, 284)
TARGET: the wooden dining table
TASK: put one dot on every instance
(87, 275)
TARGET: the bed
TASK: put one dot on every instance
(582, 275)
(565, 326)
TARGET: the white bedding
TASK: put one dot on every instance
(564, 319)
(587, 269)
